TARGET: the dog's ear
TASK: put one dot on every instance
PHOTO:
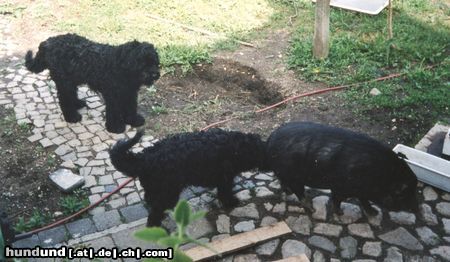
(134, 53)
(128, 56)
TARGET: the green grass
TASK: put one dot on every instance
(117, 21)
(360, 51)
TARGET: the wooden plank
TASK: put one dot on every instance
(322, 29)
(301, 258)
(239, 241)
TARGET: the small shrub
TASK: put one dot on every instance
(183, 217)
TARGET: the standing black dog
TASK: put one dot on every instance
(116, 72)
(207, 158)
(348, 163)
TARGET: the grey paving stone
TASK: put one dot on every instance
(246, 258)
(279, 208)
(133, 198)
(126, 238)
(427, 236)
(134, 212)
(263, 192)
(372, 249)
(403, 218)
(351, 213)
(29, 242)
(442, 252)
(102, 242)
(53, 236)
(301, 224)
(116, 203)
(323, 243)
(446, 223)
(393, 255)
(268, 248)
(401, 237)
(248, 211)
(318, 257)
(361, 230)
(348, 246)
(291, 248)
(243, 195)
(427, 215)
(443, 209)
(223, 224)
(106, 220)
(320, 207)
(81, 227)
(200, 228)
(429, 194)
(244, 226)
(268, 220)
(327, 229)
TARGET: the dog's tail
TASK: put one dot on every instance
(36, 64)
(122, 158)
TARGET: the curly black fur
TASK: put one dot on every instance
(348, 163)
(116, 72)
(207, 158)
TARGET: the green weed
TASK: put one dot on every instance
(360, 51)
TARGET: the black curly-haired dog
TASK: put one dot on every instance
(206, 158)
(116, 72)
(348, 163)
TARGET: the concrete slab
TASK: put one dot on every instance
(66, 179)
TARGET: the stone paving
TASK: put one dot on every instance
(321, 235)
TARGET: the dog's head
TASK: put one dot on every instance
(140, 60)
(403, 192)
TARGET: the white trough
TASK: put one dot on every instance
(428, 168)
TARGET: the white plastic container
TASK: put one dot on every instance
(428, 168)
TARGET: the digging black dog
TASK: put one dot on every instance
(348, 163)
(207, 158)
(116, 72)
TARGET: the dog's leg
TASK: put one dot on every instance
(337, 199)
(129, 107)
(114, 116)
(67, 95)
(370, 210)
(160, 201)
(225, 194)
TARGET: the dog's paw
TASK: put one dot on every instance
(136, 120)
(74, 118)
(80, 104)
(117, 129)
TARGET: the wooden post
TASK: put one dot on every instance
(322, 29)
(389, 22)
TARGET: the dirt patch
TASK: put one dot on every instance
(24, 169)
(227, 88)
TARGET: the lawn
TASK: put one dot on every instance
(360, 51)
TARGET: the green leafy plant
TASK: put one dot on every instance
(37, 219)
(73, 203)
(183, 216)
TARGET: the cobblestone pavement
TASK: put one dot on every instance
(321, 235)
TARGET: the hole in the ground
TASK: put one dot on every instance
(233, 76)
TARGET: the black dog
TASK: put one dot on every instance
(208, 158)
(348, 163)
(116, 72)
